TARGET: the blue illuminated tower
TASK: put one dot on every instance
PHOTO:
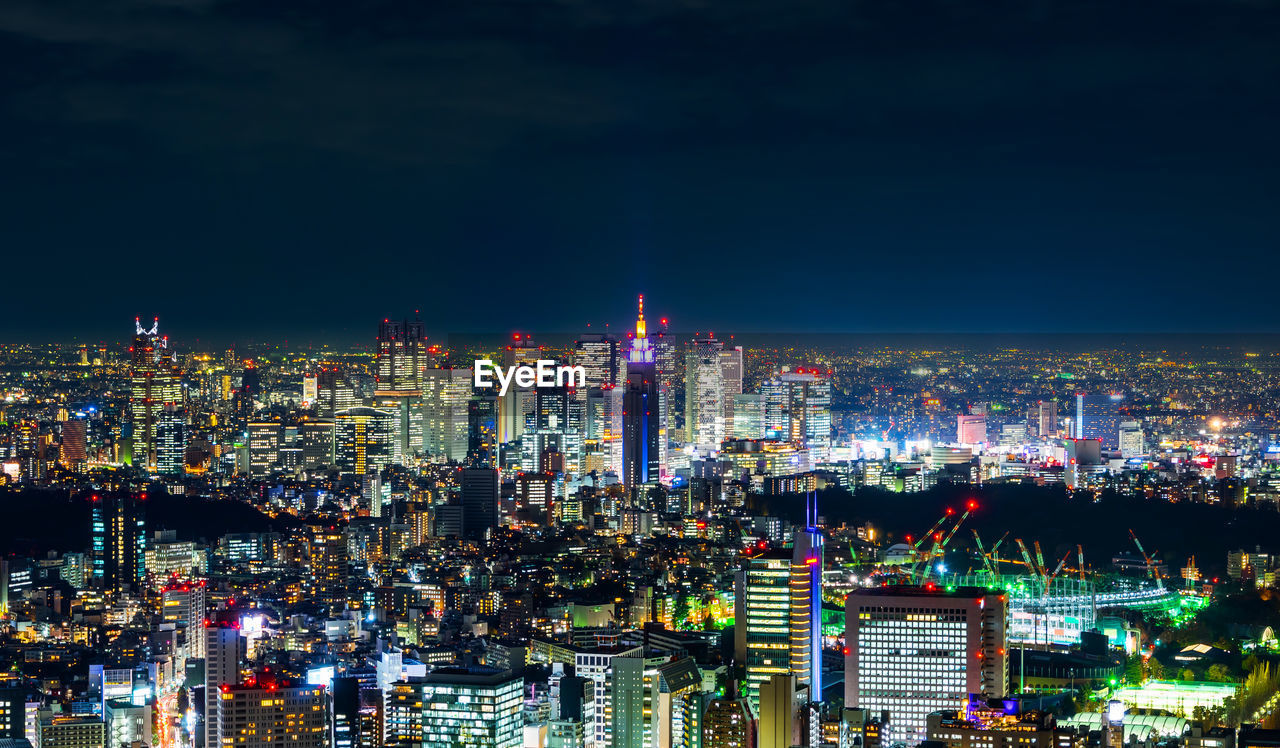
(641, 425)
(806, 601)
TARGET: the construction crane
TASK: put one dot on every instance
(942, 538)
(982, 553)
(1039, 560)
(1057, 569)
(1026, 557)
(1151, 564)
(1080, 560)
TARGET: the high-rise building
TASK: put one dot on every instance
(403, 357)
(329, 564)
(126, 724)
(728, 723)
(704, 394)
(74, 448)
(626, 703)
(480, 491)
(446, 398)
(224, 649)
(264, 439)
(971, 429)
(641, 425)
(1043, 418)
(363, 440)
(1130, 439)
(748, 416)
(918, 650)
(155, 381)
(482, 431)
(778, 725)
(1098, 417)
(778, 616)
(118, 536)
(171, 440)
(267, 711)
(797, 408)
(183, 605)
(475, 706)
(601, 357)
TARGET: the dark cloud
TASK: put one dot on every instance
(818, 163)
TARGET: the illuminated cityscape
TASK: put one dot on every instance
(839, 543)
(639, 374)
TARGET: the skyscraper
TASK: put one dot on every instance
(223, 651)
(778, 616)
(641, 427)
(917, 650)
(704, 395)
(363, 440)
(1098, 417)
(403, 356)
(601, 356)
(118, 534)
(728, 724)
(155, 381)
(446, 394)
(797, 408)
(479, 501)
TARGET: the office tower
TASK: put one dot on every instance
(748, 416)
(728, 723)
(183, 605)
(731, 377)
(797, 409)
(329, 564)
(704, 395)
(118, 534)
(482, 431)
(778, 616)
(918, 650)
(778, 724)
(601, 357)
(171, 440)
(310, 389)
(315, 439)
(515, 406)
(626, 703)
(1013, 434)
(603, 417)
(363, 440)
(263, 439)
(336, 392)
(479, 501)
(126, 723)
(806, 601)
(267, 711)
(1098, 417)
(556, 424)
(594, 665)
(1043, 417)
(475, 706)
(403, 356)
(1130, 439)
(155, 381)
(223, 651)
(641, 428)
(446, 396)
(971, 429)
(74, 448)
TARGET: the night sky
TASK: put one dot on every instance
(261, 168)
